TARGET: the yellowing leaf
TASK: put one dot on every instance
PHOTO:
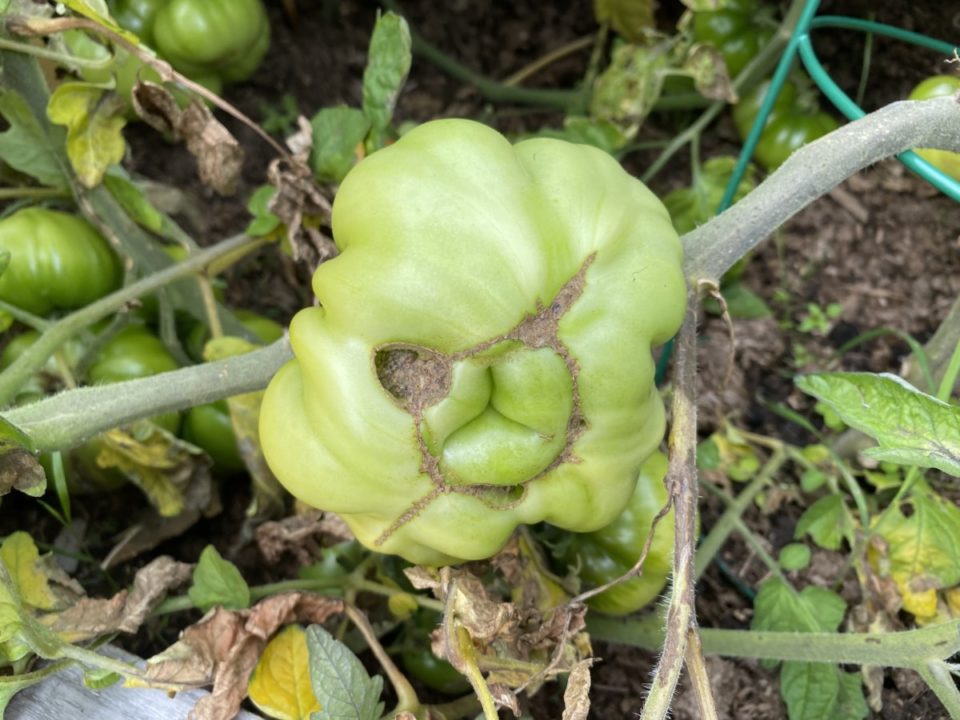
(22, 559)
(922, 535)
(280, 685)
(162, 466)
(953, 601)
(94, 122)
(922, 605)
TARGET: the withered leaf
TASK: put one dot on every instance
(505, 697)
(20, 470)
(710, 74)
(219, 155)
(576, 698)
(223, 648)
(298, 202)
(125, 611)
(300, 535)
(157, 462)
(517, 645)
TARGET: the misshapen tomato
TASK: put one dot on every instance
(481, 355)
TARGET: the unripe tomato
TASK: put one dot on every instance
(733, 31)
(57, 261)
(226, 37)
(791, 124)
(932, 87)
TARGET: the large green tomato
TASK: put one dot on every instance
(210, 41)
(606, 554)
(224, 37)
(57, 261)
(481, 354)
(939, 86)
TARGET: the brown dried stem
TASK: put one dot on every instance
(682, 482)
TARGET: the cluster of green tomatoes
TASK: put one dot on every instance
(738, 32)
(58, 263)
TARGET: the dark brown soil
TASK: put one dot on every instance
(885, 247)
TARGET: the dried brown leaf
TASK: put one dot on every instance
(483, 618)
(519, 646)
(425, 579)
(19, 470)
(156, 107)
(223, 648)
(125, 611)
(505, 697)
(303, 209)
(300, 535)
(710, 75)
(219, 155)
(576, 698)
(301, 142)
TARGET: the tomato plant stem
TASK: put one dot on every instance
(682, 482)
(907, 648)
(714, 247)
(32, 193)
(546, 60)
(407, 700)
(58, 57)
(735, 508)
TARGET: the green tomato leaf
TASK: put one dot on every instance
(388, 63)
(911, 427)
(778, 607)
(827, 521)
(339, 680)
(94, 137)
(795, 556)
(813, 691)
(922, 535)
(629, 18)
(337, 131)
(25, 145)
(133, 200)
(264, 222)
(810, 690)
(600, 133)
(93, 9)
(99, 678)
(743, 303)
(693, 206)
(218, 582)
